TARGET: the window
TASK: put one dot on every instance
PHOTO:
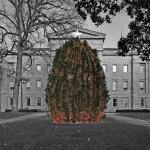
(114, 85)
(114, 68)
(28, 85)
(142, 102)
(28, 67)
(11, 101)
(11, 85)
(38, 84)
(125, 68)
(28, 101)
(125, 102)
(11, 65)
(48, 68)
(38, 101)
(114, 102)
(142, 68)
(125, 85)
(104, 68)
(38, 68)
(141, 85)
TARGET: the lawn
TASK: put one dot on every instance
(42, 134)
(137, 115)
(7, 115)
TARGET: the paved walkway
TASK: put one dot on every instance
(135, 121)
(20, 118)
(114, 116)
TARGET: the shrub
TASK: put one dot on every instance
(76, 87)
(28, 110)
(8, 110)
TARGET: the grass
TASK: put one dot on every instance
(7, 115)
(42, 134)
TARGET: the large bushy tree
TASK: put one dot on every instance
(76, 89)
(23, 21)
(100, 11)
(138, 39)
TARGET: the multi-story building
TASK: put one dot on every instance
(127, 77)
(32, 87)
(34, 78)
(127, 80)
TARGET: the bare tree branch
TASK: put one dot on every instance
(2, 13)
(23, 25)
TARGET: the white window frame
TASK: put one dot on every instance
(37, 99)
(125, 68)
(11, 65)
(49, 68)
(28, 85)
(127, 101)
(11, 85)
(142, 84)
(142, 67)
(114, 68)
(104, 67)
(125, 85)
(28, 67)
(114, 85)
(38, 67)
(38, 82)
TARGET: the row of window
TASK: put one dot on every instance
(125, 102)
(38, 101)
(28, 85)
(125, 85)
(28, 101)
(28, 67)
(125, 68)
(114, 67)
(39, 85)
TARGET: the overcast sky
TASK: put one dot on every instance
(112, 30)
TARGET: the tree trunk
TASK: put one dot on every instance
(18, 76)
(17, 80)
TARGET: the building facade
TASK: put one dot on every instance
(32, 87)
(34, 78)
(127, 80)
(127, 77)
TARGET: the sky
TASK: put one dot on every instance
(113, 30)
